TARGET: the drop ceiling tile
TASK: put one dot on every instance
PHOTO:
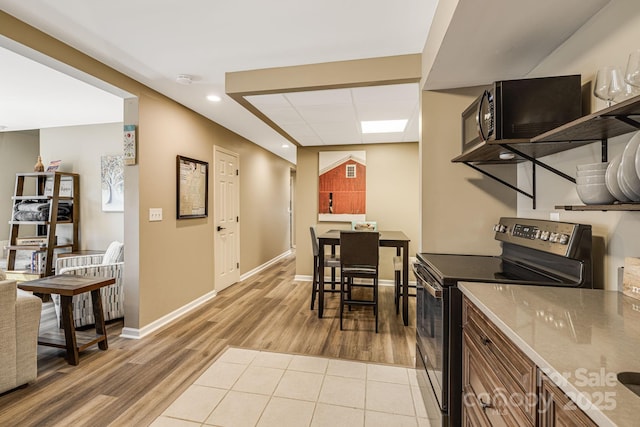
(393, 110)
(299, 130)
(282, 115)
(309, 141)
(276, 99)
(327, 113)
(335, 138)
(374, 138)
(336, 127)
(409, 93)
(329, 97)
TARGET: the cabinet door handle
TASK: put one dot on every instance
(485, 405)
(486, 341)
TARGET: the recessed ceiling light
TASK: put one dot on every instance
(383, 126)
(285, 145)
(214, 98)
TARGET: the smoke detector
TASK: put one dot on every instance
(184, 79)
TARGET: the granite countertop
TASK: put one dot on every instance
(581, 338)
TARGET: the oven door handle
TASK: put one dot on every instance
(434, 289)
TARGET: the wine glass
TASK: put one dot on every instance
(632, 72)
(609, 84)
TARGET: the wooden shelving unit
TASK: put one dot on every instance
(610, 122)
(46, 228)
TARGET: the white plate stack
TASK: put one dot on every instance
(591, 184)
(623, 174)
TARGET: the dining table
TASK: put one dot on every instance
(389, 239)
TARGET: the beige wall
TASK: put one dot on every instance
(392, 198)
(174, 260)
(607, 39)
(18, 153)
(80, 148)
(459, 205)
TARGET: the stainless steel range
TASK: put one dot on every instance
(534, 252)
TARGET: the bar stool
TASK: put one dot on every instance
(397, 267)
(330, 261)
(359, 256)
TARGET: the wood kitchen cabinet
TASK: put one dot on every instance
(503, 387)
(499, 381)
(556, 409)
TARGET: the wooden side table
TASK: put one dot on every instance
(67, 285)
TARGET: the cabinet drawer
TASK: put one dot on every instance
(516, 372)
(484, 395)
(521, 370)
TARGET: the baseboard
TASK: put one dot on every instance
(267, 264)
(134, 333)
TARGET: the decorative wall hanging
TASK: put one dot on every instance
(192, 188)
(342, 186)
(129, 147)
(112, 183)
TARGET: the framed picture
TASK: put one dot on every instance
(342, 186)
(192, 178)
(112, 183)
(129, 145)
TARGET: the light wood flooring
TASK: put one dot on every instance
(132, 382)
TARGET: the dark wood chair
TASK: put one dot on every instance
(359, 259)
(330, 261)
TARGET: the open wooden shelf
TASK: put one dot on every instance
(609, 122)
(489, 151)
(613, 207)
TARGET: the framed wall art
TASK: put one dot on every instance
(112, 183)
(192, 178)
(129, 146)
(342, 186)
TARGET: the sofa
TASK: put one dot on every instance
(109, 264)
(19, 324)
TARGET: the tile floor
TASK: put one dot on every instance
(257, 388)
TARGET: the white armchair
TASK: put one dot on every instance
(109, 264)
(19, 323)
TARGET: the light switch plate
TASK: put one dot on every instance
(155, 214)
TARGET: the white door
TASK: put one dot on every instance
(226, 220)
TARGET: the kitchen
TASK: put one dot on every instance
(613, 231)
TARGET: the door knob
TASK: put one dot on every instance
(221, 228)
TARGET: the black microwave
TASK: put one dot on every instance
(521, 109)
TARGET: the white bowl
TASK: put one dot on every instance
(628, 165)
(592, 172)
(593, 179)
(592, 166)
(611, 180)
(594, 194)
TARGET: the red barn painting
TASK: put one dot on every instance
(342, 187)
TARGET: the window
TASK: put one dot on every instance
(351, 171)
